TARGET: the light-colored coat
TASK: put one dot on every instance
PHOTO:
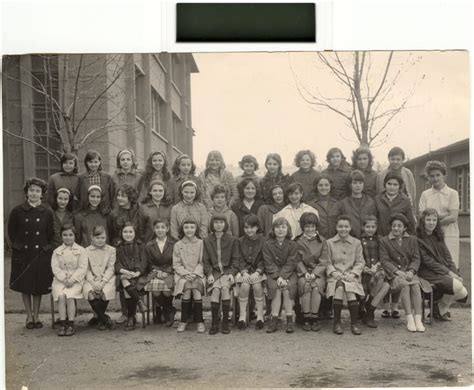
(68, 263)
(187, 259)
(101, 267)
(345, 256)
(293, 216)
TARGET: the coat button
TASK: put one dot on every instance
(36, 246)
(26, 219)
(37, 233)
(26, 246)
(37, 219)
(26, 233)
(399, 266)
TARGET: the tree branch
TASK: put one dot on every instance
(31, 141)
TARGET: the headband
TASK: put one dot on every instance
(189, 182)
(94, 187)
(125, 151)
(63, 189)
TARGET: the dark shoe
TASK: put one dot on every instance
(315, 326)
(370, 322)
(290, 326)
(395, 314)
(62, 330)
(386, 314)
(355, 330)
(70, 330)
(225, 326)
(38, 325)
(130, 324)
(306, 326)
(241, 325)
(102, 326)
(93, 321)
(259, 325)
(273, 325)
(30, 325)
(338, 329)
(213, 329)
(436, 313)
(109, 324)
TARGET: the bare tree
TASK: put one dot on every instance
(73, 88)
(368, 101)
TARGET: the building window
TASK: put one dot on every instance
(177, 74)
(45, 77)
(179, 134)
(139, 85)
(462, 186)
(157, 113)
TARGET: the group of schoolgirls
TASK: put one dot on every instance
(312, 235)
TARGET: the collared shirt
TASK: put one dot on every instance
(443, 201)
(94, 179)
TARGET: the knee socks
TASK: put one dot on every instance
(131, 306)
(185, 306)
(353, 307)
(243, 308)
(337, 306)
(197, 310)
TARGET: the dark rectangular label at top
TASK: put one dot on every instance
(246, 22)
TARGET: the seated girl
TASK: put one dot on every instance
(69, 265)
(220, 259)
(345, 265)
(400, 259)
(437, 265)
(311, 270)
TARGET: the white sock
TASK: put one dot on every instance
(243, 309)
(411, 323)
(418, 323)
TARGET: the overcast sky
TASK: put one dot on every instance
(248, 103)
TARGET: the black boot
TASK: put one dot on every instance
(185, 305)
(337, 305)
(215, 318)
(225, 316)
(354, 310)
(307, 321)
(290, 326)
(273, 326)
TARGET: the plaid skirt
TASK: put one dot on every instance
(260, 279)
(223, 281)
(157, 284)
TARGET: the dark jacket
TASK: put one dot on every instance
(395, 257)
(149, 213)
(251, 258)
(328, 213)
(436, 261)
(280, 260)
(241, 211)
(58, 224)
(85, 220)
(106, 183)
(64, 180)
(306, 179)
(385, 208)
(269, 181)
(340, 178)
(356, 212)
(157, 260)
(229, 255)
(312, 256)
(119, 216)
(131, 257)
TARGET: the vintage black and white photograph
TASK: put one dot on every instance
(251, 219)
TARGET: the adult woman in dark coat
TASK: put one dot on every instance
(437, 265)
(31, 231)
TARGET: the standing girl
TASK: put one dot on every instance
(445, 201)
(306, 175)
(266, 212)
(94, 175)
(189, 207)
(295, 209)
(328, 208)
(391, 201)
(437, 266)
(219, 206)
(274, 176)
(31, 232)
(130, 267)
(183, 170)
(400, 259)
(249, 201)
(220, 259)
(345, 265)
(66, 178)
(189, 273)
(357, 205)
(214, 174)
(95, 213)
(251, 270)
(155, 206)
(338, 170)
(99, 286)
(69, 265)
(156, 169)
(62, 213)
(311, 270)
(127, 210)
(279, 255)
(363, 161)
(249, 166)
(159, 255)
(127, 169)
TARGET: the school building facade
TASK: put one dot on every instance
(456, 158)
(139, 101)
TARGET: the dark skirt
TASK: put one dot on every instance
(443, 284)
(31, 272)
(272, 286)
